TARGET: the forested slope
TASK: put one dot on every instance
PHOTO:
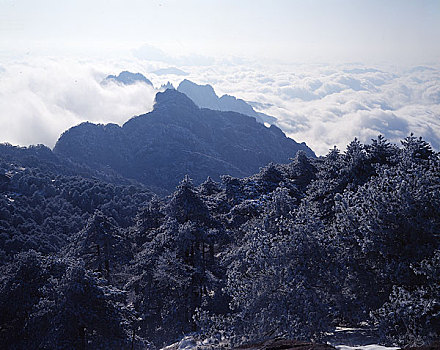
(294, 250)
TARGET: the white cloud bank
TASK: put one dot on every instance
(323, 105)
(326, 105)
(42, 98)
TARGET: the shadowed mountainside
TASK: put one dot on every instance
(178, 138)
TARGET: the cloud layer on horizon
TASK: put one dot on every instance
(40, 99)
(322, 105)
(331, 105)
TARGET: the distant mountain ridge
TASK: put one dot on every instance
(204, 96)
(128, 78)
(169, 70)
(178, 138)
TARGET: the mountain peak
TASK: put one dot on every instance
(170, 70)
(128, 78)
(172, 98)
(166, 86)
(178, 138)
(204, 96)
(188, 83)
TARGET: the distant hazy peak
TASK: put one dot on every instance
(188, 83)
(166, 86)
(205, 97)
(170, 70)
(128, 78)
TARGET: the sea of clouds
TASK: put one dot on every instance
(41, 98)
(327, 105)
(321, 104)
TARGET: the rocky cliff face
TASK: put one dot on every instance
(178, 138)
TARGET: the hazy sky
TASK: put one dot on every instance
(286, 30)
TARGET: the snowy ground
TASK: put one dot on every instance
(365, 347)
(188, 343)
(343, 338)
(356, 339)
